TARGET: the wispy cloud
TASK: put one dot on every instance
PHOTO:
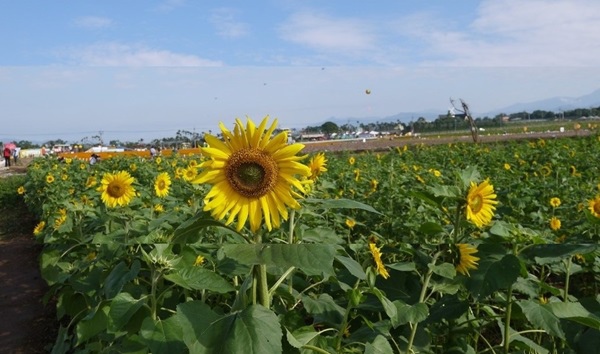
(328, 34)
(227, 23)
(169, 5)
(118, 54)
(518, 33)
(93, 22)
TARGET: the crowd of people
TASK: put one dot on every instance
(10, 152)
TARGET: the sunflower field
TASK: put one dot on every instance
(253, 247)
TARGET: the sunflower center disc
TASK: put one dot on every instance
(476, 203)
(115, 190)
(251, 172)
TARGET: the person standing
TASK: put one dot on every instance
(7, 156)
(16, 152)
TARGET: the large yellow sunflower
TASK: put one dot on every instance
(162, 184)
(594, 206)
(317, 165)
(465, 258)
(480, 203)
(116, 189)
(253, 176)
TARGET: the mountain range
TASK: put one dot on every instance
(553, 104)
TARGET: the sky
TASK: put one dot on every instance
(144, 69)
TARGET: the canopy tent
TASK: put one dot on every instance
(10, 145)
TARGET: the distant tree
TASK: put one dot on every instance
(26, 144)
(329, 128)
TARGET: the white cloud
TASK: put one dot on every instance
(93, 22)
(328, 34)
(227, 23)
(117, 54)
(520, 33)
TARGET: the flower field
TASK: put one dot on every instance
(253, 247)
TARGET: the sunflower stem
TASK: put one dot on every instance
(422, 296)
(291, 241)
(507, 320)
(567, 278)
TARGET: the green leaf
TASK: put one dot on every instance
(88, 328)
(189, 230)
(446, 191)
(163, 336)
(312, 259)
(301, 336)
(514, 336)
(198, 278)
(552, 253)
(468, 175)
(492, 275)
(324, 309)
(353, 267)
(445, 270)
(574, 311)
(338, 204)
(410, 313)
(119, 276)
(122, 309)
(542, 317)
(389, 307)
(379, 346)
(403, 266)
(431, 228)
(501, 228)
(254, 330)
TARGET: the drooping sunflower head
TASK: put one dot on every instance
(162, 184)
(116, 189)
(465, 259)
(39, 228)
(481, 201)
(594, 206)
(317, 165)
(380, 267)
(254, 176)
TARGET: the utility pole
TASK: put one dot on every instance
(467, 116)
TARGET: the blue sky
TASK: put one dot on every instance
(145, 69)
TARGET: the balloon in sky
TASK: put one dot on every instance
(368, 92)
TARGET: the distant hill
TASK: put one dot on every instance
(554, 104)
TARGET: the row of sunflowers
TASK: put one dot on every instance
(254, 247)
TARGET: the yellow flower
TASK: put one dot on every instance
(351, 160)
(159, 208)
(420, 179)
(39, 228)
(554, 223)
(546, 171)
(82, 166)
(64, 177)
(193, 164)
(253, 176)
(317, 165)
(480, 203)
(350, 223)
(465, 258)
(21, 190)
(594, 206)
(162, 184)
(199, 261)
(133, 167)
(555, 202)
(49, 179)
(116, 189)
(374, 184)
(436, 173)
(356, 174)
(376, 253)
(158, 160)
(90, 182)
(573, 171)
(190, 174)
(62, 217)
(507, 166)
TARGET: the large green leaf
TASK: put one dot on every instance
(119, 276)
(312, 259)
(410, 313)
(323, 309)
(542, 317)
(338, 204)
(254, 330)
(379, 346)
(89, 327)
(189, 230)
(519, 341)
(122, 308)
(198, 278)
(552, 253)
(163, 336)
(574, 311)
(353, 266)
(492, 275)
